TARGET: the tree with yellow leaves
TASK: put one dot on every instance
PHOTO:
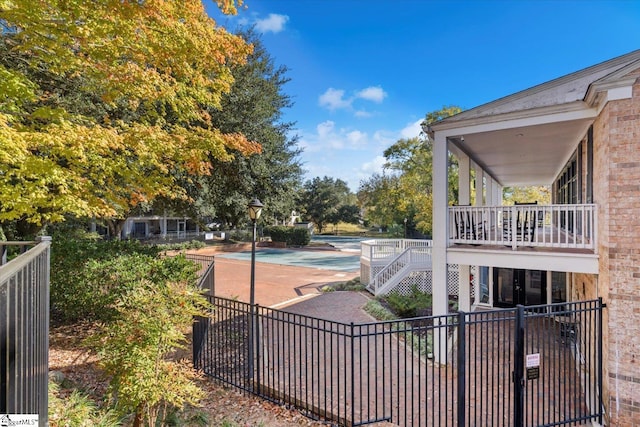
(103, 105)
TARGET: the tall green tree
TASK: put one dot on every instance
(379, 197)
(254, 108)
(406, 192)
(322, 198)
(539, 194)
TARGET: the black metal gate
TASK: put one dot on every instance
(527, 366)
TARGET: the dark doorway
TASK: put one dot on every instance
(514, 286)
(139, 229)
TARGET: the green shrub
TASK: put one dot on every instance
(87, 275)
(192, 244)
(352, 285)
(238, 235)
(299, 236)
(293, 236)
(135, 350)
(406, 306)
(278, 233)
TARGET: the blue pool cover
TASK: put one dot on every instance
(348, 259)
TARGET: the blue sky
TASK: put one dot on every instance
(365, 72)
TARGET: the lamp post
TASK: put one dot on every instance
(254, 210)
(405, 228)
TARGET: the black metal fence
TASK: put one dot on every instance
(534, 366)
(24, 330)
(206, 272)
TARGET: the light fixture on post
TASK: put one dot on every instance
(405, 228)
(254, 210)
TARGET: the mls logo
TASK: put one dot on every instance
(13, 420)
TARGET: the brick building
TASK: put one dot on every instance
(580, 135)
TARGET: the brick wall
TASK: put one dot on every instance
(617, 193)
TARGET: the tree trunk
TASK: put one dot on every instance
(138, 420)
(115, 227)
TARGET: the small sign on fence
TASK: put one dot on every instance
(533, 366)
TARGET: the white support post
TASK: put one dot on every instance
(479, 179)
(491, 201)
(498, 195)
(464, 180)
(464, 288)
(464, 198)
(491, 296)
(439, 250)
(479, 201)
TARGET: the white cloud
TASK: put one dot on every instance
(333, 99)
(411, 130)
(357, 138)
(385, 138)
(372, 93)
(374, 166)
(362, 114)
(325, 128)
(328, 137)
(273, 23)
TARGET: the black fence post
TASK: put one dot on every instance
(599, 344)
(518, 371)
(200, 330)
(462, 364)
(256, 330)
(353, 378)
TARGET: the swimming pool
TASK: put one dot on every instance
(343, 243)
(346, 259)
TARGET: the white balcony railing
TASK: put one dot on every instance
(388, 249)
(549, 226)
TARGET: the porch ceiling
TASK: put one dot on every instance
(524, 155)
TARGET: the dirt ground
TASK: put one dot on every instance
(223, 406)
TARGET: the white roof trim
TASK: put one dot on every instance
(516, 119)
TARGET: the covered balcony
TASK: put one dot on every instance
(569, 228)
(498, 146)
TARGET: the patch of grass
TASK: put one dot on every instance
(378, 311)
(352, 285)
(344, 229)
(77, 410)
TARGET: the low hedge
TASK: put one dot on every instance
(292, 236)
